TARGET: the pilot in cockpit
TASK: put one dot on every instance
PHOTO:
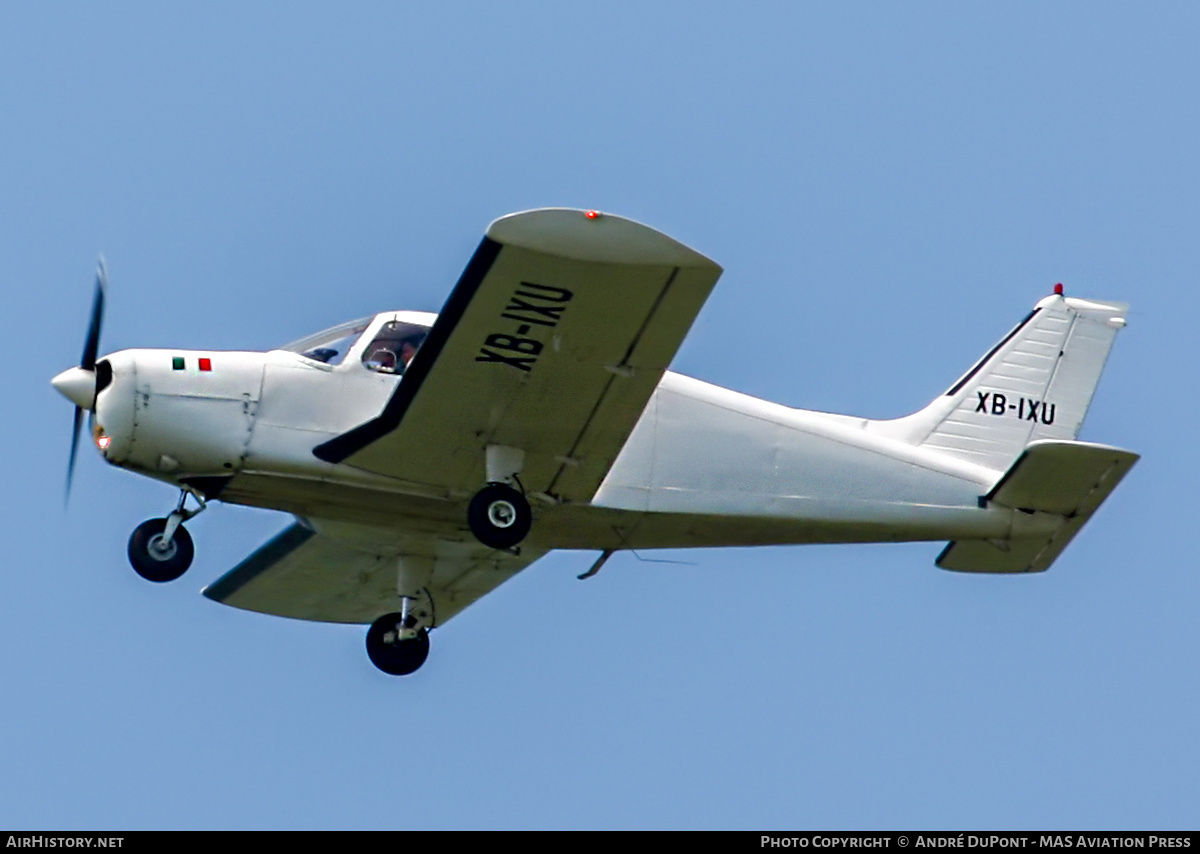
(393, 347)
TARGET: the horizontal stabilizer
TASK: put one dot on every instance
(1068, 479)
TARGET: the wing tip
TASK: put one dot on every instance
(588, 235)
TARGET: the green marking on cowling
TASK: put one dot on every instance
(177, 363)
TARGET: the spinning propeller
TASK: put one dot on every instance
(81, 385)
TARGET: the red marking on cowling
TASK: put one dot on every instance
(206, 364)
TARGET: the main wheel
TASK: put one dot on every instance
(499, 516)
(155, 560)
(391, 653)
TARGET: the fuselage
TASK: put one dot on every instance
(704, 465)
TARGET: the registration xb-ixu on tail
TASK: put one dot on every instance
(425, 459)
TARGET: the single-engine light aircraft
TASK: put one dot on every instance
(428, 458)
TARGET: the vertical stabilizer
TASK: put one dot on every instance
(1037, 383)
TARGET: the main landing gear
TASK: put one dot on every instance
(396, 644)
(161, 549)
(499, 515)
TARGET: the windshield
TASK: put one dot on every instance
(330, 345)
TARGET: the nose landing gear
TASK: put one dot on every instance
(155, 557)
(161, 550)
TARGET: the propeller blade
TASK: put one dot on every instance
(91, 348)
(92, 345)
(74, 450)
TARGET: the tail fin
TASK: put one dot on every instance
(1037, 383)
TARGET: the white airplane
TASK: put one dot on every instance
(428, 458)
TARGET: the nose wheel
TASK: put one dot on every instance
(499, 516)
(161, 549)
(396, 645)
(154, 556)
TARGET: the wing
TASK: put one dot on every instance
(347, 574)
(552, 342)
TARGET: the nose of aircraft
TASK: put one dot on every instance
(78, 386)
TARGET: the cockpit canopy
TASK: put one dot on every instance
(385, 343)
(330, 345)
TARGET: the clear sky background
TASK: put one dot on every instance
(890, 187)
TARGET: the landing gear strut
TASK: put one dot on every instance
(161, 549)
(396, 644)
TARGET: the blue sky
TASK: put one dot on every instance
(889, 188)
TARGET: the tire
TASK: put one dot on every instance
(155, 565)
(499, 516)
(392, 656)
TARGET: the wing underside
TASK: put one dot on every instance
(347, 574)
